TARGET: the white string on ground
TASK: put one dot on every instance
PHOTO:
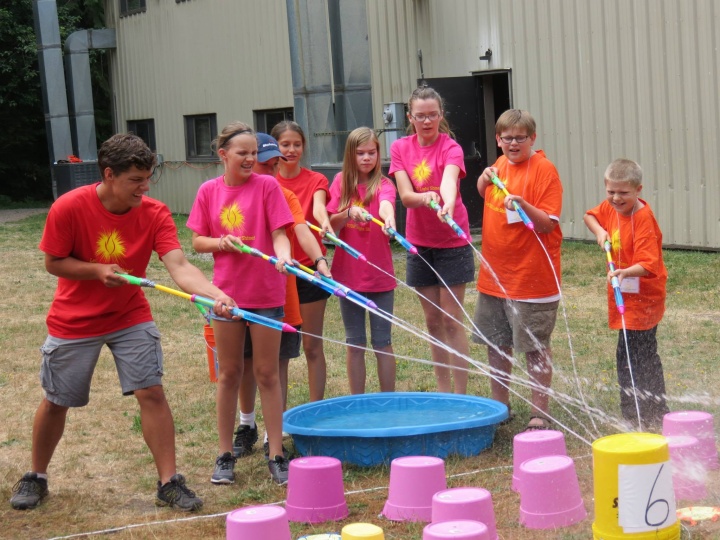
(113, 530)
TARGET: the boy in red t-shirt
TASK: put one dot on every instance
(91, 234)
(519, 279)
(628, 223)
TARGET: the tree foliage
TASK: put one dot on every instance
(24, 161)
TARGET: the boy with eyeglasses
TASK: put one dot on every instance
(519, 280)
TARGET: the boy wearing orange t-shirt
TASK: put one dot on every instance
(628, 223)
(519, 280)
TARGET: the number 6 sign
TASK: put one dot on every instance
(646, 500)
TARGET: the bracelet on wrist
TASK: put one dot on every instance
(349, 212)
(220, 242)
(321, 258)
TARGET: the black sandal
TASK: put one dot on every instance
(545, 423)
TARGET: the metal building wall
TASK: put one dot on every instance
(617, 78)
(197, 57)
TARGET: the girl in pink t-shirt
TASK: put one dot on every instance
(428, 166)
(356, 191)
(242, 207)
(311, 189)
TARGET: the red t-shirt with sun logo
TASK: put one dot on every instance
(79, 226)
(425, 165)
(251, 211)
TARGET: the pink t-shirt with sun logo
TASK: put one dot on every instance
(425, 165)
(251, 212)
(367, 238)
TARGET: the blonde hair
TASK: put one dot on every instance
(350, 174)
(624, 170)
(231, 130)
(425, 92)
(515, 118)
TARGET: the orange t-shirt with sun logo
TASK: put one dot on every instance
(518, 261)
(635, 240)
(79, 226)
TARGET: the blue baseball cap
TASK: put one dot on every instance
(267, 148)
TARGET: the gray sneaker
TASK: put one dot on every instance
(224, 469)
(176, 494)
(29, 491)
(245, 439)
(279, 470)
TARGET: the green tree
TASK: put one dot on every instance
(24, 162)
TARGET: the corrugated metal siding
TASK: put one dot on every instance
(609, 79)
(197, 57)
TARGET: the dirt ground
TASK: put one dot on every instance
(17, 214)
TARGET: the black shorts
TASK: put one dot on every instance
(289, 344)
(455, 266)
(309, 293)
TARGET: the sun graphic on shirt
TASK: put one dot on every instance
(358, 202)
(497, 196)
(422, 172)
(615, 241)
(231, 217)
(110, 247)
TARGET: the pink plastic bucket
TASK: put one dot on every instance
(698, 424)
(550, 493)
(257, 522)
(315, 491)
(456, 530)
(535, 444)
(689, 471)
(465, 503)
(413, 482)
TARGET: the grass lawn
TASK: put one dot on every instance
(102, 475)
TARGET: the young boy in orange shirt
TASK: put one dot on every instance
(628, 223)
(518, 283)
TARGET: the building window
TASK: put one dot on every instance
(130, 7)
(200, 130)
(145, 129)
(266, 119)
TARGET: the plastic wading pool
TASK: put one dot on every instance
(372, 429)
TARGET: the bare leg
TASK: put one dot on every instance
(386, 368)
(248, 388)
(158, 429)
(229, 339)
(48, 428)
(455, 334)
(284, 365)
(436, 328)
(266, 364)
(355, 360)
(499, 388)
(313, 316)
(539, 365)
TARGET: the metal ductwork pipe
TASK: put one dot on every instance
(52, 79)
(77, 68)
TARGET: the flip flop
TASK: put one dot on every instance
(545, 423)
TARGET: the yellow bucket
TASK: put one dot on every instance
(362, 531)
(634, 498)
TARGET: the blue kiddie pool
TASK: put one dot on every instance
(372, 429)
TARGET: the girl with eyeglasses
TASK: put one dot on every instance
(428, 166)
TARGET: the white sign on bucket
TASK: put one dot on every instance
(646, 499)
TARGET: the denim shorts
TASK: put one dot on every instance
(68, 364)
(455, 266)
(353, 317)
(523, 326)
